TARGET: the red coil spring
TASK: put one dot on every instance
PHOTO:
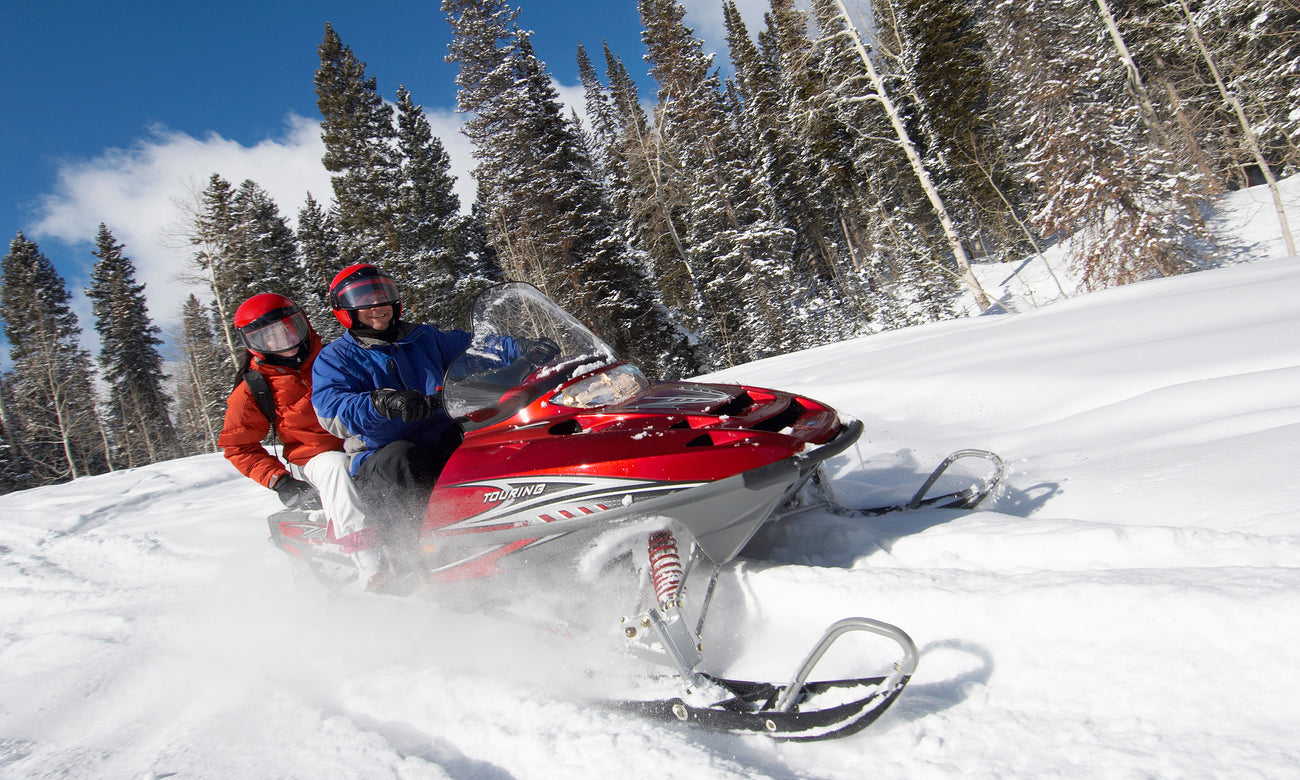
(665, 565)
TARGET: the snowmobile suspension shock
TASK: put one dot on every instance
(665, 566)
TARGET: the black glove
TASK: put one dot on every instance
(295, 494)
(407, 405)
(541, 351)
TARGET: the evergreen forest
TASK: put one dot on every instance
(839, 176)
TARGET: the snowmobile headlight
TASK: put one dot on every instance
(604, 389)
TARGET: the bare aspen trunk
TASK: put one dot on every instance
(1134, 77)
(918, 166)
(58, 398)
(1252, 141)
(65, 435)
(1029, 235)
(227, 320)
(652, 168)
(209, 431)
(103, 437)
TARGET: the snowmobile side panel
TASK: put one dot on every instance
(721, 516)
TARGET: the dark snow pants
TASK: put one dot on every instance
(396, 482)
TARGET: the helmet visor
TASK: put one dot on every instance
(280, 335)
(366, 292)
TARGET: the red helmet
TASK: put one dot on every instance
(362, 286)
(268, 322)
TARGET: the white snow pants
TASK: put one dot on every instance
(328, 473)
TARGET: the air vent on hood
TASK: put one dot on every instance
(736, 406)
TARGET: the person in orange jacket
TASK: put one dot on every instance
(281, 347)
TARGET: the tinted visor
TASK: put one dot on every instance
(366, 292)
(277, 331)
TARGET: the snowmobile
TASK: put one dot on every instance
(583, 452)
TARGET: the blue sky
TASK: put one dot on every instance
(117, 112)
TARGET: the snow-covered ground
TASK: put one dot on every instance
(1129, 606)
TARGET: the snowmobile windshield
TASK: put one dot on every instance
(523, 347)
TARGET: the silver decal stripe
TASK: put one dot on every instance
(558, 495)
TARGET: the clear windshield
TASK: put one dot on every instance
(524, 345)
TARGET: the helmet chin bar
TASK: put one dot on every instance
(348, 317)
(294, 360)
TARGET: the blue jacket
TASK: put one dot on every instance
(348, 368)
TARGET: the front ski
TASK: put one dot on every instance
(824, 710)
(968, 497)
(799, 711)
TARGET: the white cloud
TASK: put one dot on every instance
(705, 17)
(146, 194)
(573, 98)
(142, 194)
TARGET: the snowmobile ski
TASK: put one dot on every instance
(799, 711)
(750, 711)
(968, 497)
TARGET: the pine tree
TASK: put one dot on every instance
(427, 216)
(138, 421)
(621, 137)
(646, 195)
(538, 179)
(739, 256)
(941, 60)
(243, 247)
(485, 49)
(604, 121)
(357, 128)
(51, 402)
(264, 249)
(772, 82)
(15, 469)
(318, 256)
(480, 265)
(213, 237)
(839, 136)
(202, 382)
(912, 218)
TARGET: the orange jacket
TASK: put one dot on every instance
(295, 422)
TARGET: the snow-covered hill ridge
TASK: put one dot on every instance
(1127, 607)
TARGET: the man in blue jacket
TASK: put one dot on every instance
(377, 388)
